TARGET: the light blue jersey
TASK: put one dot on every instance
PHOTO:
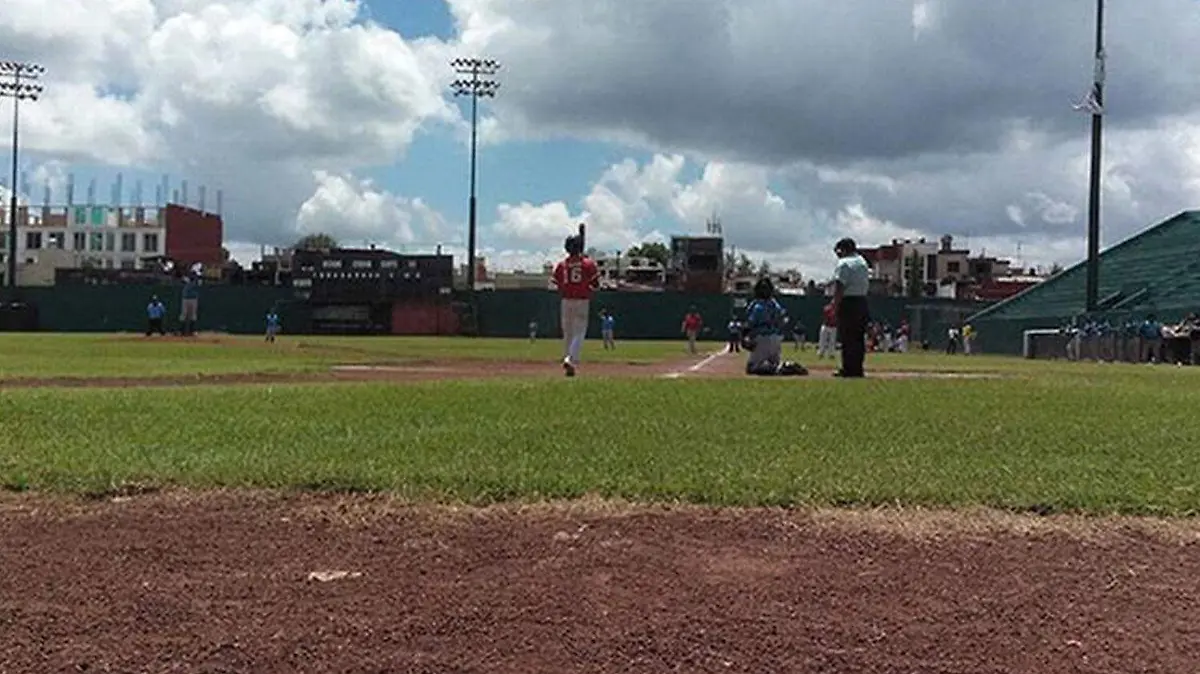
(607, 323)
(765, 318)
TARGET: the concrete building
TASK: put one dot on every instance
(110, 237)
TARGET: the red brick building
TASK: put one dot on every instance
(193, 236)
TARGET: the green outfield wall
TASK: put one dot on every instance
(241, 310)
(659, 315)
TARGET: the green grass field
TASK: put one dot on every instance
(1049, 437)
(74, 355)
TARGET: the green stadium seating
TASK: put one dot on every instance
(1154, 268)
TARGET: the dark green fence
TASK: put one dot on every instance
(233, 309)
(241, 309)
(659, 315)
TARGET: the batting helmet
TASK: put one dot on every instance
(573, 245)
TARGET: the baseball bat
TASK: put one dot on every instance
(582, 238)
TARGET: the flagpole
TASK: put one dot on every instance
(1096, 100)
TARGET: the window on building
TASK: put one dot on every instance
(33, 240)
(931, 273)
(110, 242)
(128, 243)
(150, 243)
(128, 263)
(96, 244)
(79, 241)
(953, 267)
(56, 240)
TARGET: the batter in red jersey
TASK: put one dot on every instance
(577, 277)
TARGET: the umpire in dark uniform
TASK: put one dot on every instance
(851, 278)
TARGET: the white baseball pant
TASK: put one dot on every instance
(827, 341)
(574, 328)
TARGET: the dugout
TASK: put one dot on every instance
(18, 316)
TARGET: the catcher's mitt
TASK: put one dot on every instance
(748, 340)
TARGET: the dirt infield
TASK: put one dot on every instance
(261, 583)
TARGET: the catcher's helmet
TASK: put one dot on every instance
(764, 289)
(573, 245)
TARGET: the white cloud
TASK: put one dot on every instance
(967, 130)
(632, 202)
(355, 211)
(248, 95)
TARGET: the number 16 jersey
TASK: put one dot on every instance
(576, 277)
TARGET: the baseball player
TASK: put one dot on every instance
(272, 324)
(155, 311)
(692, 324)
(607, 325)
(827, 337)
(763, 335)
(576, 277)
(735, 334)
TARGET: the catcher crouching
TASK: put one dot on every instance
(762, 335)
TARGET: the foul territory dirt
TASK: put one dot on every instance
(239, 582)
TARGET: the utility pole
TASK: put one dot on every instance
(1094, 104)
(24, 86)
(475, 81)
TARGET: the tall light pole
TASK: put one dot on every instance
(1094, 104)
(24, 86)
(475, 81)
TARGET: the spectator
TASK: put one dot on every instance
(1151, 340)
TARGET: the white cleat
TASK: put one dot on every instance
(568, 368)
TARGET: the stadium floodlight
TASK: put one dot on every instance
(475, 81)
(1093, 103)
(23, 86)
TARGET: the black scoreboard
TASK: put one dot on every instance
(352, 275)
(696, 264)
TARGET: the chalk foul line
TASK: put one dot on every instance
(696, 367)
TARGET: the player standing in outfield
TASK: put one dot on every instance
(607, 325)
(827, 337)
(272, 325)
(532, 331)
(190, 307)
(692, 324)
(155, 311)
(576, 277)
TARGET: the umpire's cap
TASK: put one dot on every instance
(573, 245)
(846, 246)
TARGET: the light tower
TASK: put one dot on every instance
(475, 81)
(23, 86)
